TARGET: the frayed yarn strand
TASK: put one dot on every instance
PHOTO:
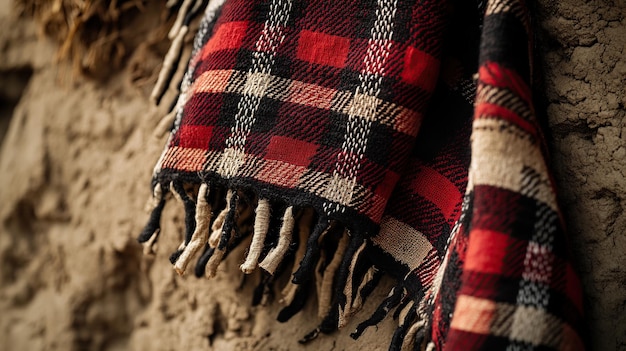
(150, 233)
(226, 230)
(397, 341)
(180, 18)
(216, 228)
(171, 3)
(349, 309)
(414, 336)
(326, 288)
(190, 211)
(391, 301)
(277, 253)
(304, 225)
(170, 63)
(164, 125)
(199, 237)
(311, 254)
(261, 225)
(363, 290)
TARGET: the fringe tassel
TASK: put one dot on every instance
(348, 309)
(344, 275)
(226, 230)
(311, 255)
(170, 63)
(408, 313)
(180, 193)
(300, 296)
(277, 253)
(372, 275)
(177, 33)
(203, 261)
(304, 222)
(392, 300)
(182, 13)
(164, 125)
(326, 286)
(414, 336)
(331, 321)
(150, 234)
(263, 291)
(199, 236)
(190, 210)
(216, 228)
(261, 225)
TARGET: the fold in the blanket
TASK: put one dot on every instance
(332, 139)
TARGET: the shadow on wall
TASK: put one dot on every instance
(14, 81)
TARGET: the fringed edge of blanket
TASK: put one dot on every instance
(325, 255)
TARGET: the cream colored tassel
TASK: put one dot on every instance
(345, 314)
(214, 262)
(148, 247)
(199, 237)
(164, 125)
(358, 300)
(168, 64)
(305, 222)
(409, 339)
(261, 225)
(180, 18)
(216, 229)
(276, 254)
(326, 289)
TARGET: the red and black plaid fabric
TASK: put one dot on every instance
(334, 136)
(507, 282)
(316, 103)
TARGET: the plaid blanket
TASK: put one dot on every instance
(343, 140)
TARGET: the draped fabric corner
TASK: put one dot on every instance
(340, 141)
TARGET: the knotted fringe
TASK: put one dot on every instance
(323, 254)
(150, 233)
(188, 10)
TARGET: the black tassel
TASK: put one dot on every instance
(307, 265)
(190, 211)
(312, 335)
(330, 323)
(383, 309)
(400, 333)
(174, 256)
(229, 222)
(203, 260)
(154, 222)
(262, 289)
(299, 300)
(369, 287)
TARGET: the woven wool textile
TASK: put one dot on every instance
(339, 141)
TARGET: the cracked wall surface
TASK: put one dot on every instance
(584, 60)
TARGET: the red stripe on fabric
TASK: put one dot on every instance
(486, 251)
(228, 36)
(485, 109)
(493, 74)
(293, 151)
(182, 159)
(385, 188)
(195, 137)
(437, 189)
(420, 69)
(323, 49)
